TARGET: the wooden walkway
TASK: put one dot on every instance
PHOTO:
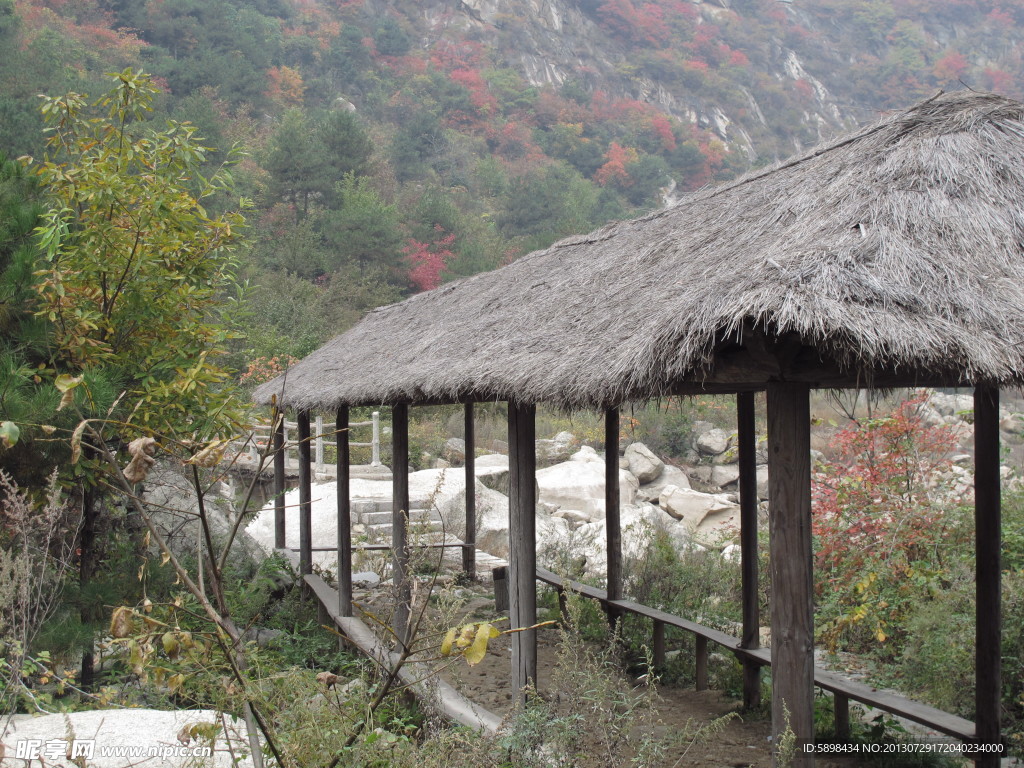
(428, 688)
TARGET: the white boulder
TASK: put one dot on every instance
(558, 448)
(693, 507)
(643, 462)
(670, 475)
(713, 442)
(578, 484)
(724, 474)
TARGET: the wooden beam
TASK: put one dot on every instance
(747, 445)
(988, 533)
(400, 521)
(792, 610)
(341, 432)
(522, 584)
(613, 526)
(469, 551)
(277, 423)
(305, 496)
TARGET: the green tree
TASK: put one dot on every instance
(308, 155)
(294, 162)
(133, 282)
(23, 335)
(136, 270)
(365, 231)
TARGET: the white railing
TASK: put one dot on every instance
(258, 438)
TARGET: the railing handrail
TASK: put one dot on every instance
(319, 438)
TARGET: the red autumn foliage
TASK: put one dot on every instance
(998, 80)
(878, 498)
(951, 67)
(614, 170)
(428, 260)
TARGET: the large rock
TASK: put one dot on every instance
(693, 507)
(579, 484)
(557, 449)
(724, 474)
(454, 451)
(118, 731)
(643, 463)
(953, 407)
(172, 503)
(492, 471)
(713, 442)
(670, 475)
(762, 482)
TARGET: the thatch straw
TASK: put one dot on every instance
(897, 248)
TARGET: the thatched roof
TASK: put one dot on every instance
(892, 254)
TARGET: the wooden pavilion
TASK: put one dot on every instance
(890, 257)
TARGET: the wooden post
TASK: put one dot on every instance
(841, 710)
(792, 611)
(305, 497)
(341, 433)
(700, 655)
(613, 528)
(400, 520)
(658, 643)
(747, 444)
(277, 425)
(469, 543)
(988, 532)
(522, 587)
(499, 576)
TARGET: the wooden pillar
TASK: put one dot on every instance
(658, 644)
(305, 496)
(522, 582)
(841, 710)
(613, 527)
(400, 521)
(747, 444)
(341, 433)
(700, 656)
(469, 548)
(988, 533)
(792, 611)
(277, 425)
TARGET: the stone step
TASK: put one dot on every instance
(383, 530)
(385, 518)
(360, 506)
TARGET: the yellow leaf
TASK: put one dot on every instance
(171, 645)
(466, 635)
(121, 624)
(476, 652)
(211, 455)
(66, 386)
(446, 644)
(76, 442)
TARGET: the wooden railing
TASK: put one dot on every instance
(842, 689)
(258, 438)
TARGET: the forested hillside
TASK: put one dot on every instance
(392, 145)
